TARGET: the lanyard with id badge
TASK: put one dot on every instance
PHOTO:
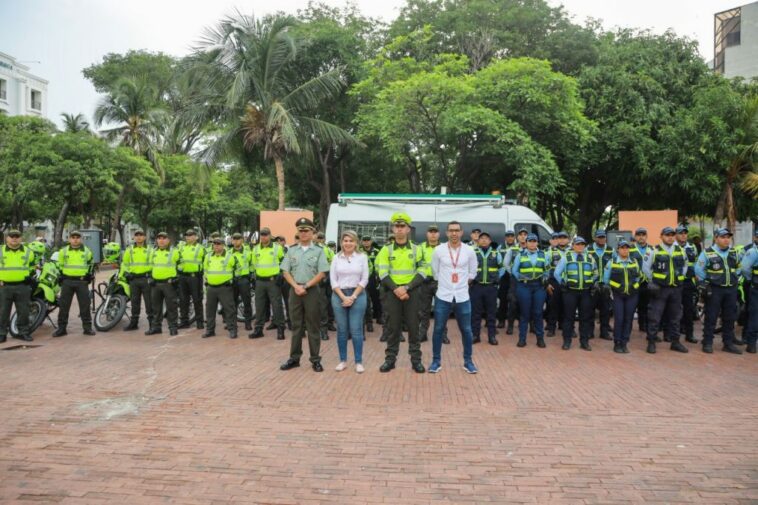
(454, 262)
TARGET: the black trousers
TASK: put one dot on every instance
(426, 295)
(723, 300)
(642, 306)
(21, 295)
(689, 297)
(752, 315)
(603, 305)
(581, 298)
(327, 312)
(190, 286)
(373, 293)
(242, 292)
(225, 295)
(268, 293)
(665, 306)
(502, 295)
(554, 310)
(139, 288)
(483, 302)
(69, 288)
(165, 292)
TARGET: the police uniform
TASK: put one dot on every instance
(374, 306)
(483, 291)
(16, 273)
(428, 289)
(719, 270)
(530, 272)
(750, 273)
(268, 291)
(689, 289)
(638, 252)
(77, 266)
(509, 257)
(401, 265)
(219, 269)
(305, 267)
(135, 267)
(163, 279)
(504, 284)
(326, 322)
(190, 281)
(577, 273)
(623, 277)
(554, 305)
(602, 302)
(241, 285)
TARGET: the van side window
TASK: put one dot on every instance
(539, 230)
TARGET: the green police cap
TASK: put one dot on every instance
(75, 233)
(401, 218)
(13, 233)
(162, 234)
(237, 236)
(217, 240)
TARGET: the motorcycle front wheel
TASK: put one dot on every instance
(37, 314)
(110, 312)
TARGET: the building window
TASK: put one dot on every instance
(3, 89)
(36, 100)
(726, 30)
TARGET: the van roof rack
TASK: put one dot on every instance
(496, 201)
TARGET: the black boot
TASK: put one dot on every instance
(331, 327)
(233, 333)
(476, 340)
(258, 333)
(691, 339)
(153, 331)
(617, 347)
(509, 329)
(751, 348)
(248, 325)
(61, 331)
(271, 326)
(492, 340)
(3, 338)
(199, 325)
(383, 338)
(183, 325)
(707, 348)
(651, 347)
(423, 338)
(280, 333)
(209, 333)
(585, 344)
(324, 335)
(566, 344)
(88, 330)
(370, 327)
(730, 347)
(678, 347)
(501, 324)
(173, 331)
(133, 325)
(521, 343)
(541, 343)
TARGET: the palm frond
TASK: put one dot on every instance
(321, 88)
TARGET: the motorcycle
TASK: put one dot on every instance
(45, 291)
(115, 295)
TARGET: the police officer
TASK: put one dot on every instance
(429, 288)
(666, 267)
(554, 305)
(474, 238)
(689, 289)
(530, 272)
(718, 268)
(219, 268)
(17, 264)
(304, 267)
(508, 259)
(267, 257)
(163, 275)
(284, 286)
(327, 313)
(577, 272)
(241, 286)
(603, 254)
(77, 265)
(622, 274)
(504, 285)
(750, 273)
(483, 291)
(399, 267)
(374, 309)
(190, 280)
(638, 251)
(135, 267)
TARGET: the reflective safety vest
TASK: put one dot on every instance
(266, 260)
(602, 256)
(244, 259)
(327, 251)
(529, 272)
(667, 269)
(754, 276)
(720, 272)
(371, 253)
(691, 253)
(580, 273)
(191, 258)
(625, 275)
(488, 266)
(554, 255)
(219, 268)
(136, 260)
(401, 263)
(15, 264)
(164, 262)
(427, 251)
(75, 262)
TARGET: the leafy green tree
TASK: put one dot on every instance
(155, 68)
(75, 123)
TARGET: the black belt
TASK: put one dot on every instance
(219, 285)
(139, 276)
(260, 278)
(532, 281)
(14, 283)
(190, 274)
(70, 278)
(164, 281)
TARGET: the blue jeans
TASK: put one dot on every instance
(350, 320)
(623, 315)
(463, 318)
(531, 302)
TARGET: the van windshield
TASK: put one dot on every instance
(379, 231)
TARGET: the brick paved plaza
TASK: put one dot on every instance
(125, 418)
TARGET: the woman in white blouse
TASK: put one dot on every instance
(349, 277)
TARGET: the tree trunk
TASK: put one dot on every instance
(59, 224)
(280, 180)
(326, 188)
(343, 187)
(117, 215)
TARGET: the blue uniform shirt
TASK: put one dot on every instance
(647, 263)
(748, 261)
(614, 259)
(558, 274)
(701, 262)
(532, 256)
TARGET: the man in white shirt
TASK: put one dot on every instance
(454, 266)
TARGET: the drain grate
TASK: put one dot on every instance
(19, 347)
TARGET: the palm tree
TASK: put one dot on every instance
(249, 65)
(75, 123)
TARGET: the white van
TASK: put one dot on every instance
(369, 214)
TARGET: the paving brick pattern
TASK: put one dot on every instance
(126, 418)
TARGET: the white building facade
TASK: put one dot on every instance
(21, 92)
(736, 42)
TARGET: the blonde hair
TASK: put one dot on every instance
(352, 235)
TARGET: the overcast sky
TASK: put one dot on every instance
(65, 36)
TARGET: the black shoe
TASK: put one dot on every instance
(658, 339)
(521, 343)
(732, 349)
(751, 348)
(708, 348)
(678, 347)
(501, 324)
(423, 338)
(271, 326)
(618, 348)
(209, 333)
(402, 337)
(691, 339)
(387, 366)
(258, 333)
(88, 331)
(738, 341)
(3, 338)
(624, 349)
(643, 328)
(232, 335)
(248, 325)
(550, 333)
(383, 338)
(418, 367)
(289, 325)
(370, 327)
(666, 338)
(60, 332)
(566, 345)
(280, 333)
(133, 325)
(183, 325)
(585, 345)
(317, 367)
(492, 341)
(541, 343)
(290, 364)
(331, 327)
(28, 338)
(324, 335)
(509, 330)
(199, 325)
(173, 331)
(445, 340)
(153, 331)
(476, 340)
(606, 337)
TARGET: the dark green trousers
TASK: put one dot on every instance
(190, 286)
(139, 289)
(242, 292)
(426, 295)
(165, 292)
(69, 288)
(305, 314)
(268, 291)
(402, 314)
(225, 295)
(21, 295)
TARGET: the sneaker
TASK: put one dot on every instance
(470, 367)
(359, 368)
(435, 367)
(341, 366)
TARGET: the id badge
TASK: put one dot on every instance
(455, 277)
